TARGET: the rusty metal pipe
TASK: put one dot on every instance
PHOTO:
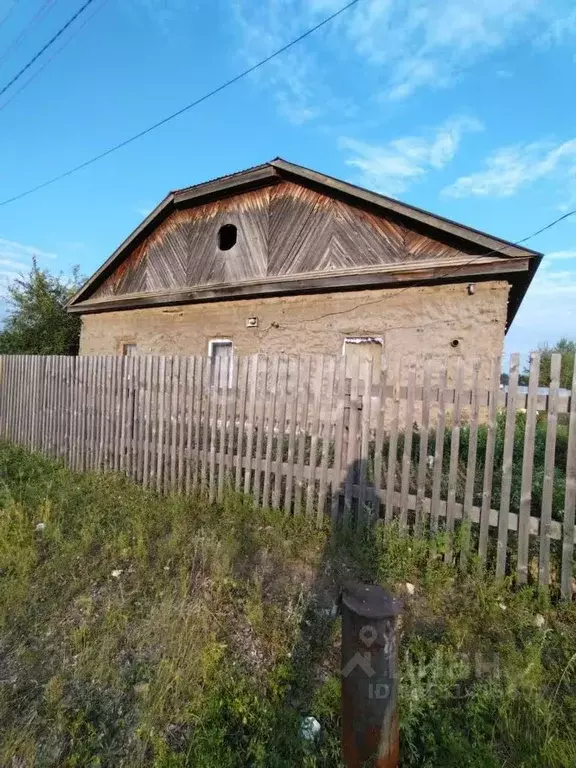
(370, 735)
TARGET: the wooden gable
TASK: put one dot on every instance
(283, 230)
(297, 231)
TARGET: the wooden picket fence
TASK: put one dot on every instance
(311, 436)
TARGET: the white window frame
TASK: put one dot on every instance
(211, 344)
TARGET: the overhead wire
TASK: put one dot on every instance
(44, 48)
(182, 110)
(27, 27)
(50, 59)
(8, 13)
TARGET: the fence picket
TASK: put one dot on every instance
(569, 500)
(453, 465)
(293, 418)
(380, 409)
(407, 452)
(393, 447)
(326, 426)
(423, 448)
(281, 400)
(352, 453)
(471, 465)
(489, 462)
(527, 470)
(261, 416)
(548, 483)
(224, 384)
(364, 456)
(303, 396)
(243, 387)
(317, 399)
(270, 424)
(337, 474)
(438, 451)
(254, 367)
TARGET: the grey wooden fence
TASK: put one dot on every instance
(441, 448)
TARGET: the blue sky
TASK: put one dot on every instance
(464, 108)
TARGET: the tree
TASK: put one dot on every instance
(567, 349)
(37, 322)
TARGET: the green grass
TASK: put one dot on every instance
(145, 631)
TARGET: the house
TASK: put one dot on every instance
(283, 259)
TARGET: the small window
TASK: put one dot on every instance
(128, 350)
(220, 352)
(227, 236)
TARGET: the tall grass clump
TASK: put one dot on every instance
(139, 630)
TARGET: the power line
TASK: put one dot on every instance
(8, 13)
(51, 58)
(181, 111)
(52, 40)
(17, 40)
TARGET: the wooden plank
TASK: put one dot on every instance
(438, 452)
(105, 364)
(317, 406)
(69, 406)
(255, 364)
(453, 464)
(164, 369)
(271, 421)
(353, 441)
(198, 399)
(292, 418)
(217, 369)
(527, 470)
(337, 472)
(281, 408)
(139, 361)
(363, 515)
(304, 384)
(260, 396)
(393, 447)
(471, 466)
(224, 396)
(424, 430)
(569, 501)
(88, 441)
(206, 402)
(110, 458)
(144, 444)
(183, 418)
(507, 463)
(489, 460)
(407, 452)
(154, 421)
(549, 463)
(130, 412)
(326, 427)
(244, 364)
(380, 408)
(232, 419)
(176, 419)
(117, 410)
(83, 372)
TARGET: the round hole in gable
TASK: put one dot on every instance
(227, 237)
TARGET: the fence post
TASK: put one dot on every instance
(370, 735)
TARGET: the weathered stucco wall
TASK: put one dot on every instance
(414, 324)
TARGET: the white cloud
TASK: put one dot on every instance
(559, 31)
(416, 44)
(16, 258)
(548, 311)
(560, 256)
(390, 168)
(13, 250)
(510, 168)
